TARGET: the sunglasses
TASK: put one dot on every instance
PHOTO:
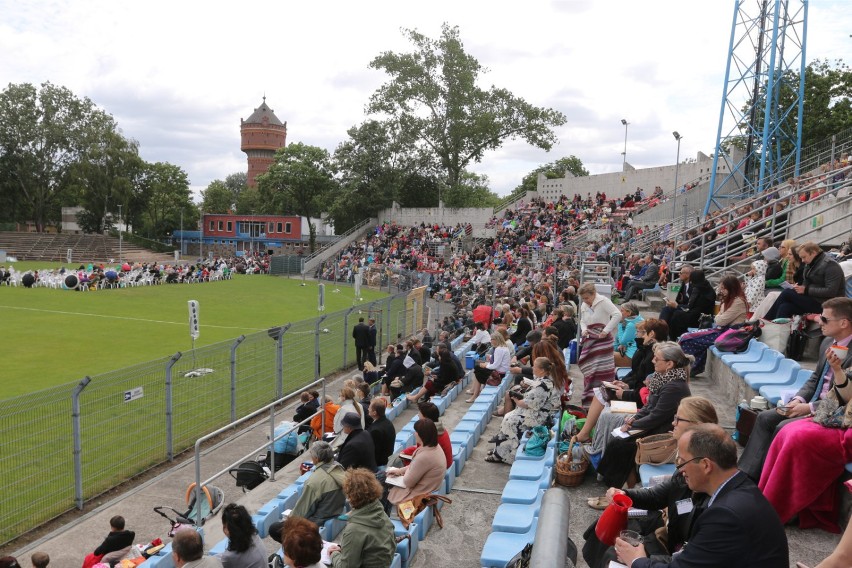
(679, 419)
(825, 320)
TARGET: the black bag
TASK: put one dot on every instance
(796, 344)
(521, 559)
(745, 419)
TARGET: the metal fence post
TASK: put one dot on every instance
(234, 377)
(78, 441)
(415, 321)
(170, 438)
(391, 338)
(277, 334)
(346, 335)
(317, 349)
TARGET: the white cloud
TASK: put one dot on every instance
(178, 76)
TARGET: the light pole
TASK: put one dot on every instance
(624, 154)
(677, 137)
(119, 234)
(181, 233)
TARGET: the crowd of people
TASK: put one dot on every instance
(527, 278)
(91, 277)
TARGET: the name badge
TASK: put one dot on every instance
(684, 506)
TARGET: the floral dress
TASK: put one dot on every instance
(542, 400)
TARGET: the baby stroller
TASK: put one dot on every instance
(212, 499)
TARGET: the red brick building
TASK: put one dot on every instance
(261, 134)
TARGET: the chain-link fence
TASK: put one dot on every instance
(67, 444)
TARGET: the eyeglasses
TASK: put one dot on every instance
(680, 464)
(825, 320)
(679, 419)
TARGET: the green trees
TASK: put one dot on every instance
(44, 133)
(434, 96)
(163, 194)
(298, 182)
(427, 125)
(572, 164)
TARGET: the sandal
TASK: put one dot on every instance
(499, 413)
(470, 400)
(468, 391)
(493, 458)
(599, 503)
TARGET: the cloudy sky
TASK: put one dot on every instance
(179, 75)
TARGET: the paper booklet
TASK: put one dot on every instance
(395, 480)
(623, 406)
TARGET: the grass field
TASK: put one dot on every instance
(123, 338)
(53, 336)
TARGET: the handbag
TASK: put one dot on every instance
(706, 321)
(495, 379)
(656, 449)
(396, 383)
(775, 335)
(835, 411)
(736, 339)
(408, 510)
(745, 419)
(537, 444)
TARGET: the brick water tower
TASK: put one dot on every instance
(261, 135)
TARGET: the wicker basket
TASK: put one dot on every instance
(567, 477)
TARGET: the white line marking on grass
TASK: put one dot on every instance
(127, 318)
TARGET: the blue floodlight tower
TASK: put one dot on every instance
(759, 139)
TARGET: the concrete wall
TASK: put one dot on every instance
(619, 184)
(826, 221)
(477, 216)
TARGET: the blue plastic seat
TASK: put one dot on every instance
(397, 561)
(768, 362)
(515, 518)
(501, 547)
(785, 374)
(266, 515)
(548, 458)
(289, 495)
(472, 426)
(331, 528)
(752, 353)
(521, 491)
(647, 471)
(460, 456)
(407, 548)
(621, 372)
(219, 547)
(528, 469)
(450, 478)
(463, 439)
(773, 393)
(303, 478)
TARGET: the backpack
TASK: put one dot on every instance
(737, 338)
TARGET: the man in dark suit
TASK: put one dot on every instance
(361, 335)
(371, 347)
(649, 276)
(382, 432)
(837, 328)
(737, 529)
(681, 301)
(358, 449)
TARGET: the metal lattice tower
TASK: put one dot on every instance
(760, 132)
